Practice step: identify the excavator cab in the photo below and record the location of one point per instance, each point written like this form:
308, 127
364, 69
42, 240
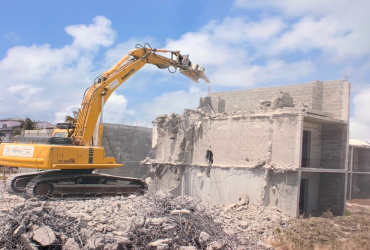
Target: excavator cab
64, 130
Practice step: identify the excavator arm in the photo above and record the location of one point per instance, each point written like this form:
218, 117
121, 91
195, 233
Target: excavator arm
98, 94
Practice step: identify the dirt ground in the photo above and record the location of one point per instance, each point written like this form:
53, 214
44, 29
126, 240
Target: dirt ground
328, 232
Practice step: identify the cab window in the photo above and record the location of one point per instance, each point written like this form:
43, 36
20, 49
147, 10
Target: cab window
60, 134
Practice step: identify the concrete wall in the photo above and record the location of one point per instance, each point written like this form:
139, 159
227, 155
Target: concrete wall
282, 191
361, 160
328, 96
129, 145
334, 146
313, 193
235, 141
227, 185
315, 150
331, 193
361, 186
286, 140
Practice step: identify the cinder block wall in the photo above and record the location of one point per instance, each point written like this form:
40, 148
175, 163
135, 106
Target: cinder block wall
333, 146
331, 193
361, 160
361, 186
315, 150
129, 145
242, 141
328, 96
282, 191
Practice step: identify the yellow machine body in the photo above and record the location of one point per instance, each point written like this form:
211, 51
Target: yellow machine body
40, 156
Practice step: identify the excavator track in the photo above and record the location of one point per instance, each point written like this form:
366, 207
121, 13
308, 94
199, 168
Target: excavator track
58, 184
16, 183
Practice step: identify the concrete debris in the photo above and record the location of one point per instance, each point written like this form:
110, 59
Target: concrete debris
26, 244
182, 212
71, 245
158, 221
44, 235
204, 236
19, 230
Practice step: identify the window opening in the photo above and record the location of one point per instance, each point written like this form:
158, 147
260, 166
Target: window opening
5, 125
209, 157
306, 148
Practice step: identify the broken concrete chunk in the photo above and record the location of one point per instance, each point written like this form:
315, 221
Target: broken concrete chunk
180, 212
44, 235
260, 163
71, 245
148, 180
160, 244
188, 248
216, 245
158, 221
26, 243
199, 175
244, 224
19, 230
243, 200
204, 236
265, 246
122, 240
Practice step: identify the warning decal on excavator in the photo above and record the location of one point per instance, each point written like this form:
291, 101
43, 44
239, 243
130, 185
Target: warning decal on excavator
18, 150
113, 84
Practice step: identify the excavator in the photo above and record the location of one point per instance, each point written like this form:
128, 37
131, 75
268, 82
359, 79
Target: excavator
66, 161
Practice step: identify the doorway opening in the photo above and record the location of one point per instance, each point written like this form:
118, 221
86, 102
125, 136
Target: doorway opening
303, 196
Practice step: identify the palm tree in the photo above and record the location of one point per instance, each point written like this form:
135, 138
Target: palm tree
28, 124
72, 119
2, 136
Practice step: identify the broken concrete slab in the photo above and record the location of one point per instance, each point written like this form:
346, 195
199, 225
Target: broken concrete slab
71, 245
204, 236
44, 235
26, 243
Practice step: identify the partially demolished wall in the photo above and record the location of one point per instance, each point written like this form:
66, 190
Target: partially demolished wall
222, 157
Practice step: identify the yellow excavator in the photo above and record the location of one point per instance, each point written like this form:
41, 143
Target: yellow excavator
67, 159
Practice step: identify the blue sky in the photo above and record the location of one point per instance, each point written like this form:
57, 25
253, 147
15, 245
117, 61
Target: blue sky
50, 52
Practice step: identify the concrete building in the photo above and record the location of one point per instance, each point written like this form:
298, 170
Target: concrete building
284, 146
358, 170
129, 145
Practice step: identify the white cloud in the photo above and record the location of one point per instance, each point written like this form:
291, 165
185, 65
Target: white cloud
61, 115
38, 78
222, 49
172, 102
250, 75
100, 33
115, 109
338, 28
360, 122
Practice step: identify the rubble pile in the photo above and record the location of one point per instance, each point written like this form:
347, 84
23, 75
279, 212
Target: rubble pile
152, 221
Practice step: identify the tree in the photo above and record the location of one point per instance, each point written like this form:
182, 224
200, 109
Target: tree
72, 119
2, 136
28, 124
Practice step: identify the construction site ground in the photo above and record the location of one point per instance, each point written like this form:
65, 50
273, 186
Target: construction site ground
162, 221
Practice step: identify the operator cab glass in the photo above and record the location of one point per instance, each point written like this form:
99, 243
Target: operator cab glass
60, 134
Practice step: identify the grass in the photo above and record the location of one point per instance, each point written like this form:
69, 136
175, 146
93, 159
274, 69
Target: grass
327, 232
